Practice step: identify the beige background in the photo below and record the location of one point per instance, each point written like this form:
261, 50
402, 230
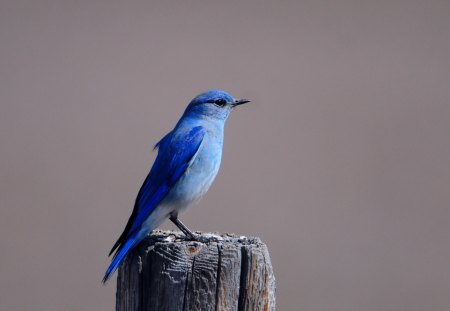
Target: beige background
341, 163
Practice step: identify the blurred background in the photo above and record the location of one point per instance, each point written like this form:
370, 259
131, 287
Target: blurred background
341, 163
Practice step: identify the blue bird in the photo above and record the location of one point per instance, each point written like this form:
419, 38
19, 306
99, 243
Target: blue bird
187, 162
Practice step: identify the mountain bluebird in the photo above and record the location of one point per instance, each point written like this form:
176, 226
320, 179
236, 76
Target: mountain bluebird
187, 162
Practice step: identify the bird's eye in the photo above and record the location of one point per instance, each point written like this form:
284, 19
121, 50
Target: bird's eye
220, 102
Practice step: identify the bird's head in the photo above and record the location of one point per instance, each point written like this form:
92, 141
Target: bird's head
215, 104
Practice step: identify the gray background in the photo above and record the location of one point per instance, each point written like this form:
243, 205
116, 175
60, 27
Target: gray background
341, 163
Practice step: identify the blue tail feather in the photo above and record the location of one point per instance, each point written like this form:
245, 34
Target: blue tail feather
120, 256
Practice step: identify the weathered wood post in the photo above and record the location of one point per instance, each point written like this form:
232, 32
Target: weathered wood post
219, 272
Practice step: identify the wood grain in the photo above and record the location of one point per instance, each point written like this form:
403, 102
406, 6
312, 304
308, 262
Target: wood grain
217, 273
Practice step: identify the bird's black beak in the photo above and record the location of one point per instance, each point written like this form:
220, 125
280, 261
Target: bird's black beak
238, 102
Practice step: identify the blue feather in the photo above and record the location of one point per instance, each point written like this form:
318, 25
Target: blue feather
174, 155
120, 256
187, 162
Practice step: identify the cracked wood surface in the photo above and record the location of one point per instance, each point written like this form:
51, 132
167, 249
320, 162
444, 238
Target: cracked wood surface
217, 272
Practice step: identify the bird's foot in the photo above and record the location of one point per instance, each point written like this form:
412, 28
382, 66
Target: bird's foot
188, 233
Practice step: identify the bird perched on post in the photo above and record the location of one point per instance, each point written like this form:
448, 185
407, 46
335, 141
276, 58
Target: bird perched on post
187, 162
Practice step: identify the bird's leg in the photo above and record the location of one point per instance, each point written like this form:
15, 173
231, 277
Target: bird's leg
183, 228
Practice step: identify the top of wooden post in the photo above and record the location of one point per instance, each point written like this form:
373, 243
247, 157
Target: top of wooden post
215, 272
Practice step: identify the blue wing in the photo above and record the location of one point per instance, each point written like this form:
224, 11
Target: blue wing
175, 152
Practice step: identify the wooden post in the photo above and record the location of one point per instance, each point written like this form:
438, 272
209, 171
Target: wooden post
219, 272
